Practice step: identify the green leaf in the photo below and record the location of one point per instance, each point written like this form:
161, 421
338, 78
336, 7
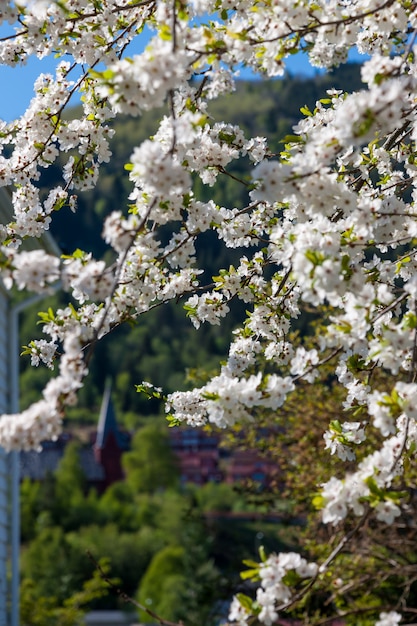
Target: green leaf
59, 204
410, 320
210, 396
396, 496
374, 489
262, 554
292, 139
306, 111
26, 349
315, 257
227, 137
45, 317
173, 421
165, 32
335, 426
318, 502
245, 601
106, 75
77, 254
250, 574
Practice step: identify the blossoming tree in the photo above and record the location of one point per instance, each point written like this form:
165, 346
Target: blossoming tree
330, 225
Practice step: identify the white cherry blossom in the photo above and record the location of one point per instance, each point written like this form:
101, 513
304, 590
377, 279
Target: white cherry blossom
329, 226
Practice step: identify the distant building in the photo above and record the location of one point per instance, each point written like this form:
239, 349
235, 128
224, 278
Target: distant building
198, 454
110, 443
37, 465
248, 465
201, 458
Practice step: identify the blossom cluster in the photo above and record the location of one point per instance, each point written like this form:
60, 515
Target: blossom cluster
277, 574
329, 225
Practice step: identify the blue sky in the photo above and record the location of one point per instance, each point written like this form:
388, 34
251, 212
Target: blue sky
17, 86
18, 82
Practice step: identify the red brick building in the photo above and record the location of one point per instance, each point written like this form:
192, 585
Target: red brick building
202, 459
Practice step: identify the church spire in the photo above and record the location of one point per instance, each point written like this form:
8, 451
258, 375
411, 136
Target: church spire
107, 420
110, 441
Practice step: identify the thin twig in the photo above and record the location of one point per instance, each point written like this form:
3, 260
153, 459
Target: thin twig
128, 599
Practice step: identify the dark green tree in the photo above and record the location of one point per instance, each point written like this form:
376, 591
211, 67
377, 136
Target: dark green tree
55, 566
162, 586
151, 463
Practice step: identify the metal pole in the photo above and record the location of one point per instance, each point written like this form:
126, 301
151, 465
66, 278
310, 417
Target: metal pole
15, 470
